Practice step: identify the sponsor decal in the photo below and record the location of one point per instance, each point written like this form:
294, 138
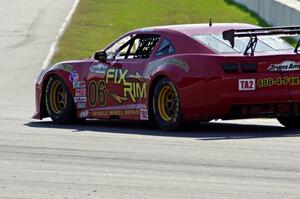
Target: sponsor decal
136, 76
132, 89
81, 92
79, 84
133, 86
84, 114
147, 30
81, 105
98, 68
74, 76
97, 93
247, 85
65, 67
285, 81
284, 66
80, 99
106, 113
144, 114
172, 61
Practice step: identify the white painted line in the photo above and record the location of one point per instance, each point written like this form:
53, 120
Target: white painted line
257, 121
59, 34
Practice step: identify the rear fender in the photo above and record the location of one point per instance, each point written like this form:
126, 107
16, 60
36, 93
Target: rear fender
190, 74
172, 68
63, 71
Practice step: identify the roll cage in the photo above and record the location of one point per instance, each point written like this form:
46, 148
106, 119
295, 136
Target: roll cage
144, 48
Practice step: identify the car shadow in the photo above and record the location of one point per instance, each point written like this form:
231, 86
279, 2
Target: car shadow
201, 131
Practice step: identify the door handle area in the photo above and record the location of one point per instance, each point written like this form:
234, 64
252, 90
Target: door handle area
117, 65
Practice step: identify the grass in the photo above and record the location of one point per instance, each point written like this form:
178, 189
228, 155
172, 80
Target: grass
97, 23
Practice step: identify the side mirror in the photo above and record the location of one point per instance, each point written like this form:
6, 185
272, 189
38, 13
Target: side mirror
100, 56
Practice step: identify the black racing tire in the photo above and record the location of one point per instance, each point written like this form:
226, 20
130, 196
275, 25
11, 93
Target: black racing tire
289, 121
166, 106
59, 101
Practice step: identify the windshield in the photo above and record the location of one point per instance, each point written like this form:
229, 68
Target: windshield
218, 44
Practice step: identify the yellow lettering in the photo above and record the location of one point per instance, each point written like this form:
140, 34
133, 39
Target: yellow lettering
128, 90
133, 89
294, 81
287, 80
116, 75
141, 92
110, 74
122, 76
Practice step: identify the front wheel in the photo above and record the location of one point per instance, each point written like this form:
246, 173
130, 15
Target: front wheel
289, 121
166, 105
59, 101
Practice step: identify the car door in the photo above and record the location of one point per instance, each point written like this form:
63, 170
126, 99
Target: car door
123, 86
98, 92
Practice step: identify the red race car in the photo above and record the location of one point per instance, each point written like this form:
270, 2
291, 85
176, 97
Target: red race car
172, 74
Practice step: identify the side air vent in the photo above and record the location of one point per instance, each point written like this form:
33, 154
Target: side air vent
249, 67
230, 67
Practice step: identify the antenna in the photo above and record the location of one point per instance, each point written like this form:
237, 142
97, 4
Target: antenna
210, 22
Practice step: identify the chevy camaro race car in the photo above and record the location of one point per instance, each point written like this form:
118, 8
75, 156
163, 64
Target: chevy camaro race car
173, 74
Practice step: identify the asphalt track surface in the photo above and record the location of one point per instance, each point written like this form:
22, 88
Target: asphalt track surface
242, 159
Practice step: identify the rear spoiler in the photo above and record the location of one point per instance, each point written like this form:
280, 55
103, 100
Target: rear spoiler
230, 35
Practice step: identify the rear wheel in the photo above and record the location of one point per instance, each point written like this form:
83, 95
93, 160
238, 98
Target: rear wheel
166, 105
59, 101
290, 121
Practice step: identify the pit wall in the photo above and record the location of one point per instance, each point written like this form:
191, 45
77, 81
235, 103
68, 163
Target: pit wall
275, 12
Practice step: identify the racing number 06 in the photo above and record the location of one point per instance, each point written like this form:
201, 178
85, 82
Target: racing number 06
96, 92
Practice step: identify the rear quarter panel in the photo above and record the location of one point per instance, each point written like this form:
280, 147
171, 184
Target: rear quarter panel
62, 70
190, 74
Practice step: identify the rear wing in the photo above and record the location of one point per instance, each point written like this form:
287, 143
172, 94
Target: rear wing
230, 35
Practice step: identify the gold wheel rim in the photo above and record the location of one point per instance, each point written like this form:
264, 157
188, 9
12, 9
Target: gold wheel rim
167, 103
58, 97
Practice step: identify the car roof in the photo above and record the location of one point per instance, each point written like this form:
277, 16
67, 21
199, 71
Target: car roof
191, 29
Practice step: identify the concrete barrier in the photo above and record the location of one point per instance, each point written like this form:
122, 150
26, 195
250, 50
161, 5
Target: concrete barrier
275, 12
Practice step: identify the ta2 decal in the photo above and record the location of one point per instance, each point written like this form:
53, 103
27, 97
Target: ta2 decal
247, 85
144, 114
